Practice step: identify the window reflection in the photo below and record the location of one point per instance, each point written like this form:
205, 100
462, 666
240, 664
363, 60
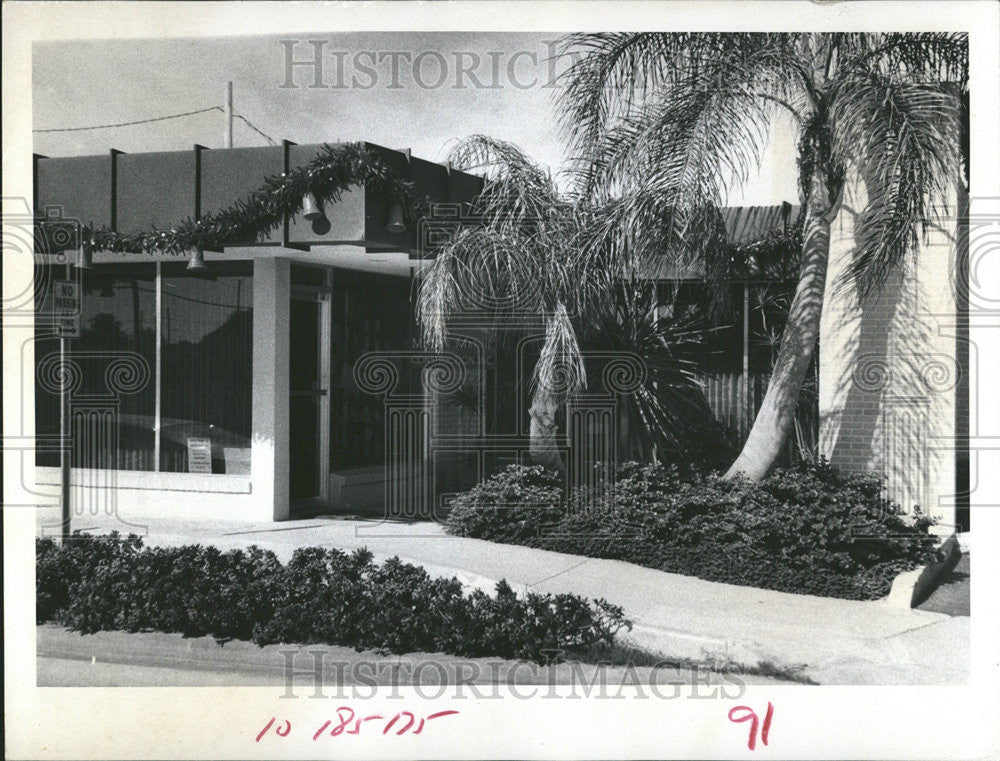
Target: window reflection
206, 329
369, 313
207, 362
118, 314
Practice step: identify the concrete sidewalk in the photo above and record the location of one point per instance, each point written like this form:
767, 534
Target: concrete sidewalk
832, 641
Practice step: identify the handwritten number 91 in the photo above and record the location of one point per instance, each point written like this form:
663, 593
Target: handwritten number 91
740, 714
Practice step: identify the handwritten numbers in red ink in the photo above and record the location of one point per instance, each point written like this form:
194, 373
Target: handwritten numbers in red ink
281, 730
348, 723
439, 714
411, 720
740, 714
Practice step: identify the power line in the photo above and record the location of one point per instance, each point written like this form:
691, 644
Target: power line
254, 128
228, 110
242, 118
139, 121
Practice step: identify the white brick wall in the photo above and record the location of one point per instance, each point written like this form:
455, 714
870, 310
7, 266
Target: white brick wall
888, 370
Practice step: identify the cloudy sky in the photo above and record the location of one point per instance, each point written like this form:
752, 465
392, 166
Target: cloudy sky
417, 90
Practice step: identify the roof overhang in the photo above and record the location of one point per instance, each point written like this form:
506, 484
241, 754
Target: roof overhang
135, 192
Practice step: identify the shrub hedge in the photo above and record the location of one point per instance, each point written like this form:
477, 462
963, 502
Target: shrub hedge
96, 583
511, 506
808, 529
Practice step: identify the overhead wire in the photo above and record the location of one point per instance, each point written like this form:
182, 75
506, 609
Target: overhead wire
129, 124
242, 118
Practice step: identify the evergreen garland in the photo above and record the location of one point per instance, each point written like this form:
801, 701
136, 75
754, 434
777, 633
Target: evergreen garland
334, 170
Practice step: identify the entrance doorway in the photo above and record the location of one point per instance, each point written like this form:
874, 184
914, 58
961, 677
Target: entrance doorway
309, 392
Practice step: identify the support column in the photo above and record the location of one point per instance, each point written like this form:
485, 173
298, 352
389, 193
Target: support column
269, 458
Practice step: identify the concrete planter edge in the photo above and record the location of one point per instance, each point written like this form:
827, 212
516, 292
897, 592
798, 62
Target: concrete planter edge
913, 587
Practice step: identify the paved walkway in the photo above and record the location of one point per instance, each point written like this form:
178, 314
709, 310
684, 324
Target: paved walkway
832, 641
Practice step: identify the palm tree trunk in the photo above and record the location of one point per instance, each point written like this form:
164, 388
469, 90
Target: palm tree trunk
774, 420
543, 433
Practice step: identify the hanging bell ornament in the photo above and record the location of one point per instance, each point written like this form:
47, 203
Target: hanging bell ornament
396, 223
310, 207
197, 260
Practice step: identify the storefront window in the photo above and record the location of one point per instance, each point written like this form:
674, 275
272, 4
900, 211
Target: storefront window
118, 319
46, 347
206, 366
204, 369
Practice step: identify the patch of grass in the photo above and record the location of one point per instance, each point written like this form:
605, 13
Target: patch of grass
627, 655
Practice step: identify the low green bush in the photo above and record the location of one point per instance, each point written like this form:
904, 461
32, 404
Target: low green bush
809, 529
321, 595
513, 506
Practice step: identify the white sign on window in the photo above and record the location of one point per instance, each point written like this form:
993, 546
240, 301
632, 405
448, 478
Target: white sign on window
199, 455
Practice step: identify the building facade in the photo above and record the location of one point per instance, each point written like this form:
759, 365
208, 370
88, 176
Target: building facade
227, 391
284, 377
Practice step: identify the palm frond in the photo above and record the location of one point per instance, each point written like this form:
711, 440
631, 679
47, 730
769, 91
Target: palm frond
664, 127
627, 88
903, 139
484, 272
923, 56
517, 190
560, 369
668, 402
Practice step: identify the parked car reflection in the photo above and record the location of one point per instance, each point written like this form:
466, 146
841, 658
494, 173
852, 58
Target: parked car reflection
230, 450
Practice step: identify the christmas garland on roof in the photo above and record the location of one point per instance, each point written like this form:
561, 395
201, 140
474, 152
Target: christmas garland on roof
334, 170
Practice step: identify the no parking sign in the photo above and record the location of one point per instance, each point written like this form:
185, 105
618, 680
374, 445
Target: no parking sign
66, 306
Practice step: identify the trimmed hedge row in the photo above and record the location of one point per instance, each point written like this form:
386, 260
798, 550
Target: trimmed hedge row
808, 529
96, 583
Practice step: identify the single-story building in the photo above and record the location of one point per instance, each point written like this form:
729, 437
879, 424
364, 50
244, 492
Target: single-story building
222, 382
274, 375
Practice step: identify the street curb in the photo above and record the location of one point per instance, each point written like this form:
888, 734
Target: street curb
158, 649
694, 647
320, 670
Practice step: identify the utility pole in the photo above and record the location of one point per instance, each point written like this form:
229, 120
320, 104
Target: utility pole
229, 115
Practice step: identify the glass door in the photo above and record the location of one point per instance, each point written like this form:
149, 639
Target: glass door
309, 403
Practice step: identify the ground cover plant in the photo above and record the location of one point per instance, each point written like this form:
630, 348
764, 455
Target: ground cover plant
322, 595
808, 529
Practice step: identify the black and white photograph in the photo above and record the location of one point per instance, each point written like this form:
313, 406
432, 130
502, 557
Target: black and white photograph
504, 380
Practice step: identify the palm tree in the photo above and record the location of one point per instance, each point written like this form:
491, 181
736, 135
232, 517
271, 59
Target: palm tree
519, 257
508, 258
664, 126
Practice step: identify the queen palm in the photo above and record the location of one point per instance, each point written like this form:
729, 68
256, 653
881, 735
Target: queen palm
522, 256
664, 126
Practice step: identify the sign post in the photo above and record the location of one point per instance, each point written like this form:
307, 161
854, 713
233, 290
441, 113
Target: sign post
66, 310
